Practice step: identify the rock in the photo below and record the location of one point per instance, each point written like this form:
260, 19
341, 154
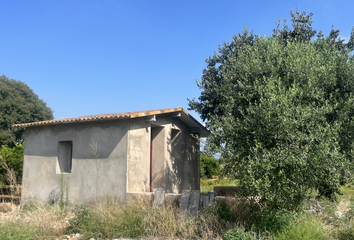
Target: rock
194, 202
183, 204
339, 214
212, 197
159, 195
205, 201
311, 211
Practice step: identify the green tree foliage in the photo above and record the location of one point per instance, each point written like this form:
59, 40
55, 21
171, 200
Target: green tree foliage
18, 104
14, 159
280, 110
209, 166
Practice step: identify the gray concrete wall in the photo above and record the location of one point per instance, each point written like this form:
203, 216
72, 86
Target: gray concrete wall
110, 159
183, 166
99, 162
191, 178
138, 175
181, 156
175, 164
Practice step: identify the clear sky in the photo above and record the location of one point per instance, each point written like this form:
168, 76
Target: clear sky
86, 57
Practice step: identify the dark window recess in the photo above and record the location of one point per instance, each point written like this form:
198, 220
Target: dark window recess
65, 150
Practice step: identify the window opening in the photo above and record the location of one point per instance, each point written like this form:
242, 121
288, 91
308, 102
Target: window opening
65, 150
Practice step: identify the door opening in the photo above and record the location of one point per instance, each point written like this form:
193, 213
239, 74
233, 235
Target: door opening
151, 161
157, 158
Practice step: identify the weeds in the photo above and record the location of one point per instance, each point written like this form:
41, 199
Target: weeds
12, 231
82, 217
33, 221
64, 192
11, 178
306, 227
239, 234
272, 222
141, 219
229, 219
5, 207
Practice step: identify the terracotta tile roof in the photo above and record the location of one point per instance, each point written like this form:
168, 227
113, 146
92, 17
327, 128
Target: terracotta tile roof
112, 116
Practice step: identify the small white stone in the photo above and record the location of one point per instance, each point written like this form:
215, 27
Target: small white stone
339, 214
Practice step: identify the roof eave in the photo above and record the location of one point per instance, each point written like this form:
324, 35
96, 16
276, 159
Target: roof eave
188, 119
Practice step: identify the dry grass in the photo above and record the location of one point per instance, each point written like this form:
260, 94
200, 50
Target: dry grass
137, 219
140, 219
343, 207
6, 207
49, 222
11, 178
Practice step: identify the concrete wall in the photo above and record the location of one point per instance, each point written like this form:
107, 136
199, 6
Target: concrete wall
183, 165
181, 156
138, 175
175, 162
110, 159
99, 157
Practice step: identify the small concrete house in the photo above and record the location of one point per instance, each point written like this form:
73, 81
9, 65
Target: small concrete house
111, 155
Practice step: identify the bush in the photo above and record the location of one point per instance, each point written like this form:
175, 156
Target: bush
306, 227
82, 218
209, 166
239, 234
280, 112
111, 221
14, 231
139, 219
270, 222
14, 159
225, 212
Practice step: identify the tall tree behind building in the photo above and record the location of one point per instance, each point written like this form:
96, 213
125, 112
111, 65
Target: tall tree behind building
18, 104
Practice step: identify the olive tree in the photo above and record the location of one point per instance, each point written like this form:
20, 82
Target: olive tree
280, 110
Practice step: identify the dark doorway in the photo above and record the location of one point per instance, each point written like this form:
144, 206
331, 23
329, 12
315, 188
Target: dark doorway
157, 157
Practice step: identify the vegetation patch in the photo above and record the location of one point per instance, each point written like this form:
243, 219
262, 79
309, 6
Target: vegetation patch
14, 231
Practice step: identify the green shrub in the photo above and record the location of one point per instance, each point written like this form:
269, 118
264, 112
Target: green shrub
14, 159
239, 234
112, 221
64, 193
345, 233
270, 222
14, 231
209, 166
344, 226
81, 219
225, 212
306, 227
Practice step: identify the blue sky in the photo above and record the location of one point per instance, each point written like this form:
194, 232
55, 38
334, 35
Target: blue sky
106, 56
